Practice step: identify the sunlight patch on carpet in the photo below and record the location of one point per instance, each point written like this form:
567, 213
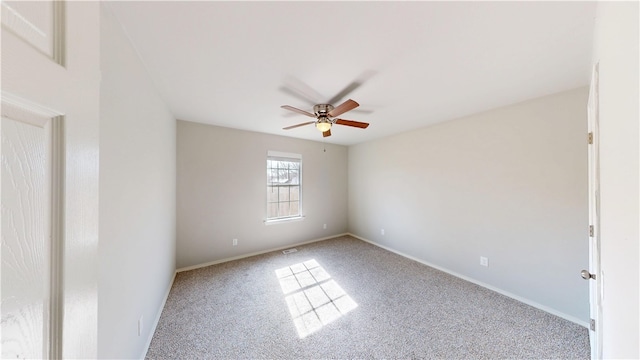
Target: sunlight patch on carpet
313, 298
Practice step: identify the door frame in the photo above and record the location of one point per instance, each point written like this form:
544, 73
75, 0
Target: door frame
595, 285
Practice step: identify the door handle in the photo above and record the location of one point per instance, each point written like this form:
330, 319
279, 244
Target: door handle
587, 275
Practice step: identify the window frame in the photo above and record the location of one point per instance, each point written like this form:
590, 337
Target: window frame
290, 157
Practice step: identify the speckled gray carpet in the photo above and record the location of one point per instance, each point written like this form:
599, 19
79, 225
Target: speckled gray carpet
346, 299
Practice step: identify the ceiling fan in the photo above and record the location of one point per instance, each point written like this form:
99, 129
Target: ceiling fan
326, 114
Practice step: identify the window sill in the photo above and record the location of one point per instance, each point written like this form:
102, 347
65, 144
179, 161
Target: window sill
285, 220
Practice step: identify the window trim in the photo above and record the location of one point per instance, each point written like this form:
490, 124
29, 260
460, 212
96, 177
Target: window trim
286, 156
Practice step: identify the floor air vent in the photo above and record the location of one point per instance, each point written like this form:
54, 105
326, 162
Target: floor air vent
289, 251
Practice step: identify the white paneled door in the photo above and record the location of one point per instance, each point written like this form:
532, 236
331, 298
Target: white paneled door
26, 245
31, 181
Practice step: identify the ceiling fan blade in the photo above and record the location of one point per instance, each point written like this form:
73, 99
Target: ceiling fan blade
358, 124
295, 94
298, 125
326, 133
298, 110
342, 94
363, 111
343, 108
351, 87
295, 85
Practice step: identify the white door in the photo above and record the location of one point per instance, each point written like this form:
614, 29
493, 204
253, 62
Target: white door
51, 70
31, 181
26, 233
594, 275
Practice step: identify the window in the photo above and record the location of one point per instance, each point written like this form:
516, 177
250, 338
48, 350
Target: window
284, 185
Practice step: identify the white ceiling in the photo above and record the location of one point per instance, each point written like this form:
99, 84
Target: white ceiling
233, 64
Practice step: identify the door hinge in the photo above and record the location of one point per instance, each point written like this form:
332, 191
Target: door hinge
591, 230
590, 138
592, 325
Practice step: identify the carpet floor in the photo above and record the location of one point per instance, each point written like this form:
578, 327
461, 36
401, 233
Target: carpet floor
346, 299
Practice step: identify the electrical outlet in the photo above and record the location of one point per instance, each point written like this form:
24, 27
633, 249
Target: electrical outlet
235, 242
381, 231
140, 324
324, 226
484, 261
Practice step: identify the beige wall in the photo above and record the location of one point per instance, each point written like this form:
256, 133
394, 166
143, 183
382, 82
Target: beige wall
222, 193
137, 198
616, 50
509, 184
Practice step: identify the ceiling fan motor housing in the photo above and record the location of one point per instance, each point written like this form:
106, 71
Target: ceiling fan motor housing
322, 110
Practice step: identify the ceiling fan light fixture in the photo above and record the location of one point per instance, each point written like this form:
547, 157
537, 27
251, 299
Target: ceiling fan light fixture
323, 124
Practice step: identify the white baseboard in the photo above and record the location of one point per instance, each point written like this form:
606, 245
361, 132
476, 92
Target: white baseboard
157, 319
490, 287
193, 267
